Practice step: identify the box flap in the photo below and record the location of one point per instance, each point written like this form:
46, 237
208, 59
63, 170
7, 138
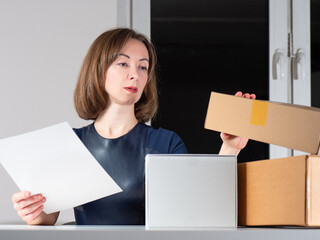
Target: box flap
287, 125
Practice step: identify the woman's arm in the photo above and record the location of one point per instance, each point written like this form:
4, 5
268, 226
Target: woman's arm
232, 145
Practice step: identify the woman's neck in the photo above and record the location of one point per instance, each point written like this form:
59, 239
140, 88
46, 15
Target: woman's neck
115, 121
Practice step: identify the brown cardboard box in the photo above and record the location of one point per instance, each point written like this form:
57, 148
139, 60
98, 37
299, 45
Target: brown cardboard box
273, 192
282, 191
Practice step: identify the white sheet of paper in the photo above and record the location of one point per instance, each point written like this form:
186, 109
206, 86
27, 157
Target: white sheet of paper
53, 161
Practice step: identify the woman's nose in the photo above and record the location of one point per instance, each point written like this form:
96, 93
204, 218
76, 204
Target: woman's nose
133, 75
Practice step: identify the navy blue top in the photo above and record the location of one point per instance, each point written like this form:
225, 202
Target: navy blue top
123, 159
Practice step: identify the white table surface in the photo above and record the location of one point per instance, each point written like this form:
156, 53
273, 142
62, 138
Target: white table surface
140, 233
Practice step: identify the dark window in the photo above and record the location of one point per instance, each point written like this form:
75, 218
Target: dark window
204, 46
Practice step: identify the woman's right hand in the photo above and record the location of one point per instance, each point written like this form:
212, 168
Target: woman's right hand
29, 207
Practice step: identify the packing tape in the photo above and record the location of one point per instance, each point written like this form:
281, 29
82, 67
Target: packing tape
259, 113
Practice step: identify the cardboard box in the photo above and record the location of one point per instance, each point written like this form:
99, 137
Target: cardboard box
282, 191
273, 192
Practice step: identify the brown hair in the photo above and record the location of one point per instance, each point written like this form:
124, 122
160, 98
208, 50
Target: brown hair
90, 97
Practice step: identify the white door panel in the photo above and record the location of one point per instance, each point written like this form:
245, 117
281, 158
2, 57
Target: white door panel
279, 63
301, 49
289, 81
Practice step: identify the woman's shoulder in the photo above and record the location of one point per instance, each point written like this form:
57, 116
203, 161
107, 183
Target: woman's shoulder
80, 131
161, 133
164, 141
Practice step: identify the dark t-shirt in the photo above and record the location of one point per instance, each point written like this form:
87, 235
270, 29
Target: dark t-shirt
123, 159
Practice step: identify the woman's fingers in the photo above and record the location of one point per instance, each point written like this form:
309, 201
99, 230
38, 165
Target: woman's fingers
20, 196
31, 208
238, 94
246, 95
28, 207
24, 202
33, 215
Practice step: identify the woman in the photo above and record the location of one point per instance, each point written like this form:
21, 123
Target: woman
117, 89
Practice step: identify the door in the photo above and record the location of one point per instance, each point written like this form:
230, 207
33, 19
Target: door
289, 58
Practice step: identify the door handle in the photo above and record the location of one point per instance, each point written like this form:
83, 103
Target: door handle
299, 65
278, 65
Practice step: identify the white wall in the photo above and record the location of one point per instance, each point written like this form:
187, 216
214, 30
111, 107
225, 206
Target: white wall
42, 46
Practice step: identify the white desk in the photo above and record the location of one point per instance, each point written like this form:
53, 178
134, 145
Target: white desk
24, 232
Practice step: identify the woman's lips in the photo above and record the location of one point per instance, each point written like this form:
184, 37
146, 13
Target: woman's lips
131, 89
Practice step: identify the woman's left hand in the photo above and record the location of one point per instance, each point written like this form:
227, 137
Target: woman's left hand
232, 145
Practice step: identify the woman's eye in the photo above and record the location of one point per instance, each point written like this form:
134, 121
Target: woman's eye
123, 64
143, 68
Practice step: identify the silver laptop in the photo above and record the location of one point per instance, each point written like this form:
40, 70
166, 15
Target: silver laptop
191, 191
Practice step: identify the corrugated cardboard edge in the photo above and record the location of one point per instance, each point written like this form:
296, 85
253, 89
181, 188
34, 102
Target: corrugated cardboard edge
313, 191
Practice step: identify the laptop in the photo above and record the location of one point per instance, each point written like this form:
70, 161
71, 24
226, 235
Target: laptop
191, 191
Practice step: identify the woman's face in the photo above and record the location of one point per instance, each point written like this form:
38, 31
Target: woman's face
128, 74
